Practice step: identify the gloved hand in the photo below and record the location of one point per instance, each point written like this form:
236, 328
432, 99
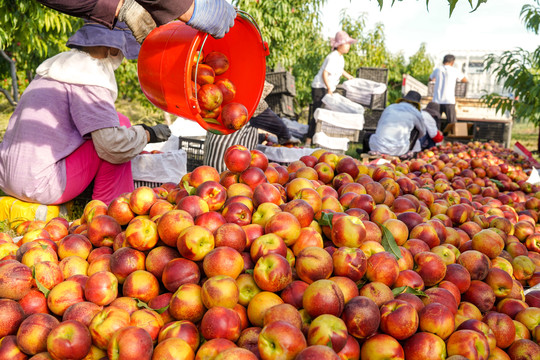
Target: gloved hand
158, 133
214, 17
137, 19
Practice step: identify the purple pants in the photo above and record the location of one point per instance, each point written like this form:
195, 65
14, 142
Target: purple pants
84, 165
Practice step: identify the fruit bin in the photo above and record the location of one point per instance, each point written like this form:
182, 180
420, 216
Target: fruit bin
460, 92
336, 131
159, 163
283, 81
371, 118
195, 151
281, 104
380, 75
152, 184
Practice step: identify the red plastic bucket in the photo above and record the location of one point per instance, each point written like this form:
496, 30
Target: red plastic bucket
167, 56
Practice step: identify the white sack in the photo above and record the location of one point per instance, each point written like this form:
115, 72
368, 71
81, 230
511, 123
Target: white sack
284, 154
361, 90
330, 142
168, 166
337, 102
340, 119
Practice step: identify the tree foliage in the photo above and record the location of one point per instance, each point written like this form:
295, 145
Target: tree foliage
519, 71
292, 30
29, 33
421, 64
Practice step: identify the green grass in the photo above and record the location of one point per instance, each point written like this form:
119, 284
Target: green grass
526, 134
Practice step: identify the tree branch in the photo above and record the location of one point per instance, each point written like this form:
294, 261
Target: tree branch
13, 72
8, 96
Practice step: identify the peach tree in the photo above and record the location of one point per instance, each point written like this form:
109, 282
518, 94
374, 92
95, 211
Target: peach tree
519, 71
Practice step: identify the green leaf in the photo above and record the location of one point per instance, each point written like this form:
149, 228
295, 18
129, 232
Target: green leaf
498, 183
249, 271
361, 283
408, 290
162, 310
142, 304
326, 219
329, 344
389, 243
39, 285
211, 121
452, 4
190, 189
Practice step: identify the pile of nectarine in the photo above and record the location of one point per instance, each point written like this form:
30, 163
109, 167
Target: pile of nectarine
215, 95
325, 258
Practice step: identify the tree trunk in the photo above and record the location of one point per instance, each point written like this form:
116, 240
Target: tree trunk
13, 98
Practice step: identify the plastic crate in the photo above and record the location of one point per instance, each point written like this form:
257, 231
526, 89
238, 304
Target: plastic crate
460, 92
364, 138
380, 75
284, 82
151, 184
281, 104
195, 152
371, 118
335, 131
486, 131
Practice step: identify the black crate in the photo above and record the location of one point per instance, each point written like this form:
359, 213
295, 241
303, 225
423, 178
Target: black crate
460, 92
151, 184
195, 152
364, 139
380, 75
371, 119
486, 131
283, 83
281, 104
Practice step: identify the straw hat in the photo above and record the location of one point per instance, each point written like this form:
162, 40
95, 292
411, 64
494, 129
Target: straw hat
412, 97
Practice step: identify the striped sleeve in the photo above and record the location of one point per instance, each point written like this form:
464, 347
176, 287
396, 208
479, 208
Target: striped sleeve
216, 145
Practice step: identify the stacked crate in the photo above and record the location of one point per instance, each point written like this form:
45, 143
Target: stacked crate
378, 102
380, 75
194, 149
281, 99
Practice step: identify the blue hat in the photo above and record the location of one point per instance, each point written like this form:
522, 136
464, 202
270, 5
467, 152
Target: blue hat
94, 34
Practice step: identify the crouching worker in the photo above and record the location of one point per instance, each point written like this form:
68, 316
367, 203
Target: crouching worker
65, 131
431, 115
400, 126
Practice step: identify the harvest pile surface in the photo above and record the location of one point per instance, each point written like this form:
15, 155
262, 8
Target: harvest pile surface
325, 258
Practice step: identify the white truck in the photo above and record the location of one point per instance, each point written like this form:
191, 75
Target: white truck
488, 124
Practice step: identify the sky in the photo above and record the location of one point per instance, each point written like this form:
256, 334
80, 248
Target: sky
495, 26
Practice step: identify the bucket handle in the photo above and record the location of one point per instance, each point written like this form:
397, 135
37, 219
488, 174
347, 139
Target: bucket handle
245, 15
